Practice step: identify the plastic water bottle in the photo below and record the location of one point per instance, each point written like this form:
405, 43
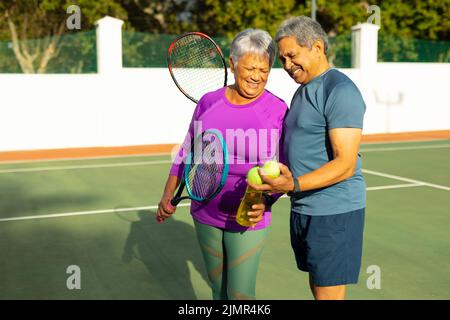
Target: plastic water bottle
250, 198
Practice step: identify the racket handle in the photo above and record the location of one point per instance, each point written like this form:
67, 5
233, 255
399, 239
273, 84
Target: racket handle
174, 202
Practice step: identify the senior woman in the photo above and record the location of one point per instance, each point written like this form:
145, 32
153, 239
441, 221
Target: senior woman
251, 120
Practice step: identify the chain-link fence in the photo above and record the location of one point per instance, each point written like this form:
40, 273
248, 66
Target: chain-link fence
396, 49
149, 50
69, 53
76, 52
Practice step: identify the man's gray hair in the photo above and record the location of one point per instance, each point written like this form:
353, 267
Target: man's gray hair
252, 41
305, 30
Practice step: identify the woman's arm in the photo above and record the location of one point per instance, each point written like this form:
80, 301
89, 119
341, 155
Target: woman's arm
165, 209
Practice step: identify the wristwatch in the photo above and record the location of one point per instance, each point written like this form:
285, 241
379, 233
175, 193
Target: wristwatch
296, 187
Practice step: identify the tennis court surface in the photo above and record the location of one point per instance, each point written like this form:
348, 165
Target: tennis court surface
98, 214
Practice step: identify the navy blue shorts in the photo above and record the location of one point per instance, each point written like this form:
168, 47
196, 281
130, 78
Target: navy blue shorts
329, 247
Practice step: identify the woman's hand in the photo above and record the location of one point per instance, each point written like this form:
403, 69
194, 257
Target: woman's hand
165, 209
257, 214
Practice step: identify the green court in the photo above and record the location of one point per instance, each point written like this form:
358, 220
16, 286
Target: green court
98, 214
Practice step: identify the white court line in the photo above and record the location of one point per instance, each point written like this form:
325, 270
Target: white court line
82, 213
404, 142
437, 146
395, 186
87, 166
381, 174
91, 212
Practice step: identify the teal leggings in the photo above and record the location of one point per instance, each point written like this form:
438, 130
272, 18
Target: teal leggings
232, 260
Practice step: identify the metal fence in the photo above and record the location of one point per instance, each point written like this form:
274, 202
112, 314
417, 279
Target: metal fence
76, 52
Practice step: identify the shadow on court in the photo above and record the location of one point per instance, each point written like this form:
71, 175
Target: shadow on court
165, 250
19, 199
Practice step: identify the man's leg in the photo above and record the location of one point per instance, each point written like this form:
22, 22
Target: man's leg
329, 293
333, 255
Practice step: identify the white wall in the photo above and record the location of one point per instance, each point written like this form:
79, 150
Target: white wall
143, 106
120, 106
409, 97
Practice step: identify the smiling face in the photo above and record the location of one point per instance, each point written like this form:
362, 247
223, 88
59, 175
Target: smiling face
250, 74
301, 63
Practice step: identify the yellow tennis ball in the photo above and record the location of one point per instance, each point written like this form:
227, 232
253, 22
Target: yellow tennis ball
271, 169
253, 176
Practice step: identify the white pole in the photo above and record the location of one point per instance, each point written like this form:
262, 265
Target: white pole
313, 9
364, 45
109, 45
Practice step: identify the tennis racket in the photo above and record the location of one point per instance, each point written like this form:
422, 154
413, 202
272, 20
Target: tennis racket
205, 168
196, 64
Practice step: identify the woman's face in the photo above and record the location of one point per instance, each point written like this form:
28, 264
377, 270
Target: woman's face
250, 74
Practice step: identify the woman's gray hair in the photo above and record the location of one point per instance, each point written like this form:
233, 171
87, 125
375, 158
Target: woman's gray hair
305, 30
252, 41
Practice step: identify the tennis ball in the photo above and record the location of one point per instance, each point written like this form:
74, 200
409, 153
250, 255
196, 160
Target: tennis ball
271, 169
253, 176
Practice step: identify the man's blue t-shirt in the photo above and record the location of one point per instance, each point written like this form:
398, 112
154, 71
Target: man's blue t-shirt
329, 101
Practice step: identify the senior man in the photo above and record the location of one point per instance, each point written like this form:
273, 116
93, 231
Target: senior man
322, 132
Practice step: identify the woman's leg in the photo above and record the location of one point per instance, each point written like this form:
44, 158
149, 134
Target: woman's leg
211, 243
243, 251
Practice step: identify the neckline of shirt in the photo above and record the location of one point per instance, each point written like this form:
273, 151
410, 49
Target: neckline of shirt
247, 105
320, 76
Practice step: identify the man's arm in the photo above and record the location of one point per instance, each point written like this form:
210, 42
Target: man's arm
345, 144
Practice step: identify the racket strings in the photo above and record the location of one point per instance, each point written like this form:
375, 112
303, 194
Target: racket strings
197, 65
205, 174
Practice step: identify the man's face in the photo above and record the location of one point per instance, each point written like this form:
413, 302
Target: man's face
301, 63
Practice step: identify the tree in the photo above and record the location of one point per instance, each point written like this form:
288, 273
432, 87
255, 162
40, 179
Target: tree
419, 19
159, 16
229, 17
45, 22
401, 22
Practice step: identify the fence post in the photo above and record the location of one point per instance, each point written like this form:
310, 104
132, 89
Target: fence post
109, 45
364, 45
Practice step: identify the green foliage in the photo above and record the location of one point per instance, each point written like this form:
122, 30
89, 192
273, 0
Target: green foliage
33, 32
420, 19
39, 22
159, 16
338, 16
39, 18
142, 50
407, 28
229, 17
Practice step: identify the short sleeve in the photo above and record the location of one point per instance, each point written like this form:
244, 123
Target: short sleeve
345, 107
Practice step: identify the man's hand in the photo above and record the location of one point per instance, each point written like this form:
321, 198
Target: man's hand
165, 209
284, 183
